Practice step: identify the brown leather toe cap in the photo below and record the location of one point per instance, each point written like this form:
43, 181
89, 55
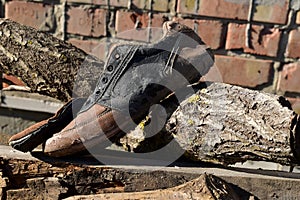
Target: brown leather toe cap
88, 129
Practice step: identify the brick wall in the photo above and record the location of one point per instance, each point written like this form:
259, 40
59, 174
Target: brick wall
256, 42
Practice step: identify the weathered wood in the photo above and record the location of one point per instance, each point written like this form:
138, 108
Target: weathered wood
39, 188
204, 187
228, 124
46, 64
24, 175
33, 179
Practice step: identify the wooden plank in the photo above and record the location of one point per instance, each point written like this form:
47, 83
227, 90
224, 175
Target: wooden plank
20, 167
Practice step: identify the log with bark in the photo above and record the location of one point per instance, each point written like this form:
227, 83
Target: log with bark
46, 64
222, 123
226, 124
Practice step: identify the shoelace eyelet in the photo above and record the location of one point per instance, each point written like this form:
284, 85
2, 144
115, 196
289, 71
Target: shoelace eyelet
110, 68
104, 80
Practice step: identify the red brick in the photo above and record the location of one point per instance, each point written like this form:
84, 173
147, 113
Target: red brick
133, 26
99, 23
28, 13
211, 33
240, 71
11, 80
142, 4
289, 78
95, 48
232, 9
236, 36
157, 20
187, 6
87, 22
264, 41
293, 47
118, 3
272, 11
79, 21
160, 5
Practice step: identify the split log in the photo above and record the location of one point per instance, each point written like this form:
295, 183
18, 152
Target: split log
46, 64
227, 124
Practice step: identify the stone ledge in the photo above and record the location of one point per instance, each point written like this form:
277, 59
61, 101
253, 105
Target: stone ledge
29, 102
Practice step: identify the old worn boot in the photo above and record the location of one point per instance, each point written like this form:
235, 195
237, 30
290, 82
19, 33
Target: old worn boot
135, 78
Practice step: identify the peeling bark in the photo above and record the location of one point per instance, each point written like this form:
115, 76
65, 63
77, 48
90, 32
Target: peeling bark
228, 124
